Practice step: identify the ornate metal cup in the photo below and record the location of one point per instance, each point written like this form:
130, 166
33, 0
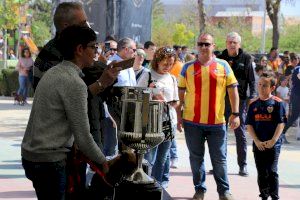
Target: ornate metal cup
141, 126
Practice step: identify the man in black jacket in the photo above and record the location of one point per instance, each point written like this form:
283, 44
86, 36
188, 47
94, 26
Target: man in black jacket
241, 64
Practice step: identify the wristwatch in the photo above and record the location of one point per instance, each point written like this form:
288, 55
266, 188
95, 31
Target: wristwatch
235, 113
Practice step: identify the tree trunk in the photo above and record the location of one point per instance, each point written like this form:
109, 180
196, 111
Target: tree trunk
202, 16
273, 8
275, 38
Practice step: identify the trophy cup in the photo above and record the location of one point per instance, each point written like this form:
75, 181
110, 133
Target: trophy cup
141, 126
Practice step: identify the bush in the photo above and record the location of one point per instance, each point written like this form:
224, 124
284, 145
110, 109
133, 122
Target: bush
9, 81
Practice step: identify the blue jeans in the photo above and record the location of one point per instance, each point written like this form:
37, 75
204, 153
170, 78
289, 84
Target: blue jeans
173, 149
110, 140
157, 157
239, 132
216, 137
23, 86
166, 172
48, 178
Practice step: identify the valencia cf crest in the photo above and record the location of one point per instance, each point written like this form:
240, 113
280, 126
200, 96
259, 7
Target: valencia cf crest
270, 109
137, 3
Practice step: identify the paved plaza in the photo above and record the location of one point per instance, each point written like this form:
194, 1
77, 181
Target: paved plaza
14, 185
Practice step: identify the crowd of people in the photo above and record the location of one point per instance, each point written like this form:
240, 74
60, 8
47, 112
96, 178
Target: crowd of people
206, 92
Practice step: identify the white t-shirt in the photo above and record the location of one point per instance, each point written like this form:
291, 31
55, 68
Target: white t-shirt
283, 92
167, 84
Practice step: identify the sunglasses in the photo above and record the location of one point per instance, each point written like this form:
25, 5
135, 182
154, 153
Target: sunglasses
201, 44
168, 50
113, 49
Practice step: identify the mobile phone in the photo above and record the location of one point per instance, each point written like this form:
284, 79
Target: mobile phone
107, 46
124, 64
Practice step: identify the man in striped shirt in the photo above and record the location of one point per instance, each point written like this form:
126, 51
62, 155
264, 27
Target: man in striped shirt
202, 88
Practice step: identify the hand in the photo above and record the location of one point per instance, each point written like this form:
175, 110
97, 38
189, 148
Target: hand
260, 145
179, 123
234, 121
158, 97
269, 143
109, 76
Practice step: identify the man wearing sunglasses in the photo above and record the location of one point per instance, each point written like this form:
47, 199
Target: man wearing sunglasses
202, 87
67, 14
241, 64
59, 117
126, 49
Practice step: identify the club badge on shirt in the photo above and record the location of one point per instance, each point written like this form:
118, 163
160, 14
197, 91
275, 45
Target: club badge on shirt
270, 109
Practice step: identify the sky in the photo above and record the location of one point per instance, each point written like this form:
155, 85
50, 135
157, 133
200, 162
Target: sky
287, 9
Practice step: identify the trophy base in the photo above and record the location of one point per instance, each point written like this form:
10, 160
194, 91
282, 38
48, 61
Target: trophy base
140, 177
132, 191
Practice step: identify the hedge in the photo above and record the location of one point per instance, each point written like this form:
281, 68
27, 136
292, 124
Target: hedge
9, 82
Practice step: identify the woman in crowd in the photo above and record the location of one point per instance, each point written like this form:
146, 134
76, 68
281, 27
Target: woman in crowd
139, 70
263, 61
160, 78
24, 65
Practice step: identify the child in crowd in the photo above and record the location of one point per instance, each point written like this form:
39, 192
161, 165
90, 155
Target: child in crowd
265, 119
282, 92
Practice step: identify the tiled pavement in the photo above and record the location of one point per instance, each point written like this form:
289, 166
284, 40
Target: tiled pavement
14, 185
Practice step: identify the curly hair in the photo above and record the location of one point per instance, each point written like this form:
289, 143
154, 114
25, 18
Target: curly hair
161, 54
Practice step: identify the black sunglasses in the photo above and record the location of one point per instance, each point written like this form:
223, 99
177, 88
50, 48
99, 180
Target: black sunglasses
201, 44
168, 50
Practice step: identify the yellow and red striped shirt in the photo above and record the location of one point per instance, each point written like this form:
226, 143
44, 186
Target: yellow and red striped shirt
205, 87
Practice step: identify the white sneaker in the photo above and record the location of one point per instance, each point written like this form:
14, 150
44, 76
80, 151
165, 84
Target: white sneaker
174, 163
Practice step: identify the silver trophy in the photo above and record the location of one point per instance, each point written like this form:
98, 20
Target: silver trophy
141, 126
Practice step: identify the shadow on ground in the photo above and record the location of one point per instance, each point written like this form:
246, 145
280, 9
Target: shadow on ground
17, 194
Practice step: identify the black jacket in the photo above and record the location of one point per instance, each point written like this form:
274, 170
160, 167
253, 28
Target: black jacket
243, 71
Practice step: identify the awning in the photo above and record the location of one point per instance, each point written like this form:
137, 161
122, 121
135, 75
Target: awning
29, 42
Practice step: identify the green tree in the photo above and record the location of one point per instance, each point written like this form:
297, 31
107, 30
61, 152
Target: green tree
161, 32
10, 16
182, 36
41, 21
40, 33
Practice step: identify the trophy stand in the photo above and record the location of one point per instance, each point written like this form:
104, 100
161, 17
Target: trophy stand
141, 130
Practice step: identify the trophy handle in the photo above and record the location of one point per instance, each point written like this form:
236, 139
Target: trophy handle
145, 114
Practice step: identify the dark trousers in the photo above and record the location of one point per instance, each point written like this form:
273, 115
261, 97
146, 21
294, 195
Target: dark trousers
96, 114
240, 133
49, 179
267, 176
295, 112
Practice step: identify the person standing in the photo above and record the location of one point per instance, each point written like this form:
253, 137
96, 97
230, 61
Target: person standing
265, 122
59, 117
294, 99
68, 14
126, 49
166, 83
24, 65
202, 87
241, 64
149, 48
274, 59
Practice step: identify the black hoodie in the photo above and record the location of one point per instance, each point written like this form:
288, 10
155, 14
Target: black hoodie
243, 71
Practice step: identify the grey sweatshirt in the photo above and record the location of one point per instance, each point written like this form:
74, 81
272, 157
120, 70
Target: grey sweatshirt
58, 116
